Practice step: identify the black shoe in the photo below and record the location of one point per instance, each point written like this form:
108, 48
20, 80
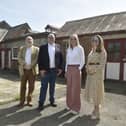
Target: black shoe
40, 107
53, 104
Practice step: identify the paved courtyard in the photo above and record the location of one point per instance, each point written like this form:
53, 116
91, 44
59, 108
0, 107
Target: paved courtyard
113, 113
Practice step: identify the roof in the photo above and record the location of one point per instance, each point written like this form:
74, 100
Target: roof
51, 27
17, 31
4, 25
98, 24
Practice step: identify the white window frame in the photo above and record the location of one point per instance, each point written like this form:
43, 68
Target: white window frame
13, 57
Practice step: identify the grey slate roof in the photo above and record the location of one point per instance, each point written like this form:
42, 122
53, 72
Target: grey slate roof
97, 24
17, 31
4, 25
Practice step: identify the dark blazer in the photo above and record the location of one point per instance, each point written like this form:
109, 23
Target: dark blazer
43, 58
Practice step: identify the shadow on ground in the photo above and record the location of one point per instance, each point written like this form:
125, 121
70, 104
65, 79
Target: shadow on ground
54, 120
116, 87
9, 75
12, 116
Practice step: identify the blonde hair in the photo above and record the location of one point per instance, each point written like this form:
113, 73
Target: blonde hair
100, 46
77, 40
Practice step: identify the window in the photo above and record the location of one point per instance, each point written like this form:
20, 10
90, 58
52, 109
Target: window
14, 53
114, 51
125, 51
65, 43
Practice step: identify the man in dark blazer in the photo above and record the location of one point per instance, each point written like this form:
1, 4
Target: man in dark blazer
50, 61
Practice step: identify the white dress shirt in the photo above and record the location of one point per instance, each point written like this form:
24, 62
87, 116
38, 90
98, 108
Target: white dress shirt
75, 56
51, 51
28, 56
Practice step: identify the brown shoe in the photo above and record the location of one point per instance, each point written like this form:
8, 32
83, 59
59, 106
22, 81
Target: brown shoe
29, 104
20, 105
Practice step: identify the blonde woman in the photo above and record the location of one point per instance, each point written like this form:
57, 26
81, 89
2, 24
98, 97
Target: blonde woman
75, 60
95, 75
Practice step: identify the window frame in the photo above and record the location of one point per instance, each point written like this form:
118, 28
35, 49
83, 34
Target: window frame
13, 56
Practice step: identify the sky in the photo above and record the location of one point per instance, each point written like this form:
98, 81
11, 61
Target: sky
39, 13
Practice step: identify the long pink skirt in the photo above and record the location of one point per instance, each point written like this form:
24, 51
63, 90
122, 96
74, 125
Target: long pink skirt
73, 88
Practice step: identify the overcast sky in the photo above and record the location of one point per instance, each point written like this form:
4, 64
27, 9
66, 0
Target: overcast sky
39, 13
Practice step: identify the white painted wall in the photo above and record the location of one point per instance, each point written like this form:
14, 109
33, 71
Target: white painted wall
2, 59
113, 71
124, 77
9, 59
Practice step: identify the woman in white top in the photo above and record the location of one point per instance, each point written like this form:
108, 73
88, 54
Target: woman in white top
75, 60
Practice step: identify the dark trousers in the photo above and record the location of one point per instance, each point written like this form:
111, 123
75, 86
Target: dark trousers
28, 76
49, 78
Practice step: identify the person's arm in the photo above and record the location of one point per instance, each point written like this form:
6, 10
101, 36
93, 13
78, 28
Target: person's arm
88, 67
66, 65
66, 61
61, 63
20, 57
40, 60
102, 61
36, 57
82, 57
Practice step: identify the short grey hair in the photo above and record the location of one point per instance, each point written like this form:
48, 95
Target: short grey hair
28, 37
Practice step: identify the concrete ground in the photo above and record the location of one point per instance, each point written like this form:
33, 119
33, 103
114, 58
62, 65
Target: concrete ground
112, 114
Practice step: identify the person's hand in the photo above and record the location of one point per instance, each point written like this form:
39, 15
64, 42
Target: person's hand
91, 71
42, 73
59, 72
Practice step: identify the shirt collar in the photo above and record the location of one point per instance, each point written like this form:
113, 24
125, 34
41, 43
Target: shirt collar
29, 47
51, 44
